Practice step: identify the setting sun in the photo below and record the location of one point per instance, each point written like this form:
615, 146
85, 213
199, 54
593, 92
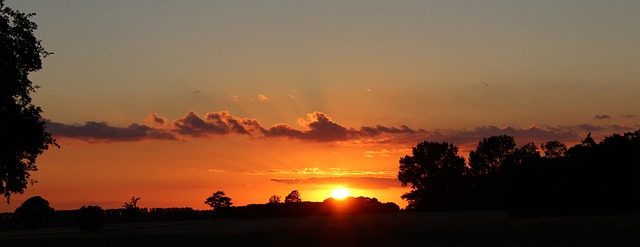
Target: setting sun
340, 193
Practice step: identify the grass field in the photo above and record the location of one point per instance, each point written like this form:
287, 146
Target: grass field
395, 229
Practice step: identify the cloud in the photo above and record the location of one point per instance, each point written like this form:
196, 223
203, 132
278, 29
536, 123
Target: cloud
318, 127
216, 170
386, 152
349, 182
102, 132
468, 139
262, 97
379, 129
215, 123
601, 117
628, 115
156, 120
315, 171
578, 128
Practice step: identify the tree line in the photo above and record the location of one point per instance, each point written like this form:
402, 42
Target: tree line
527, 181
36, 212
293, 206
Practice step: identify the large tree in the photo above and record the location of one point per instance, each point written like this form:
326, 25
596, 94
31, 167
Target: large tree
22, 130
435, 172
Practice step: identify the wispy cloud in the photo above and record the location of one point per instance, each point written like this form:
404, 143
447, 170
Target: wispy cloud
349, 182
622, 128
315, 171
216, 170
262, 98
386, 152
470, 138
601, 117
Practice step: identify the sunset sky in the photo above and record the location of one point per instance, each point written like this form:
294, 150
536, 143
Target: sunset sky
171, 101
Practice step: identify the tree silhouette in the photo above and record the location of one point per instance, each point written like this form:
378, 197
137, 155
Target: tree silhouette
132, 209
294, 196
218, 200
22, 130
589, 141
90, 218
527, 153
435, 172
553, 149
274, 199
490, 154
588, 178
36, 211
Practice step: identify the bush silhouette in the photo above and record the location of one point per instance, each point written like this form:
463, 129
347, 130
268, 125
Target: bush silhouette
132, 209
294, 196
36, 211
274, 199
90, 218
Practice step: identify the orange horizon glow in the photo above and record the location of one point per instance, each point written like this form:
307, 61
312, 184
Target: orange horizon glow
340, 193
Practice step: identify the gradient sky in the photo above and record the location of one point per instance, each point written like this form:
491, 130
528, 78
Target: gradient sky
171, 101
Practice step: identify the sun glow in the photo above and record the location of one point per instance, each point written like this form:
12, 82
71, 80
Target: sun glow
340, 193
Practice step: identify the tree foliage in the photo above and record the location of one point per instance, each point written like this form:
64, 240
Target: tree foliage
294, 196
434, 170
526, 153
588, 178
22, 130
91, 218
491, 153
36, 211
274, 199
553, 149
218, 200
132, 209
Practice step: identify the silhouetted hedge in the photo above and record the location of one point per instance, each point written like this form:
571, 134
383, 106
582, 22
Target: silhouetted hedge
90, 218
350, 205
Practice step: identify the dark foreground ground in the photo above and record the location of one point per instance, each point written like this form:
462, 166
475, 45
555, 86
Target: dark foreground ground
394, 229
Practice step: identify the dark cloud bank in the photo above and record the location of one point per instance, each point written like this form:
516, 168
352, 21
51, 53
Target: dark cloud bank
318, 127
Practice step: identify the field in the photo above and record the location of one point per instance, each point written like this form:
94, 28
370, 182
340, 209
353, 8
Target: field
393, 229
